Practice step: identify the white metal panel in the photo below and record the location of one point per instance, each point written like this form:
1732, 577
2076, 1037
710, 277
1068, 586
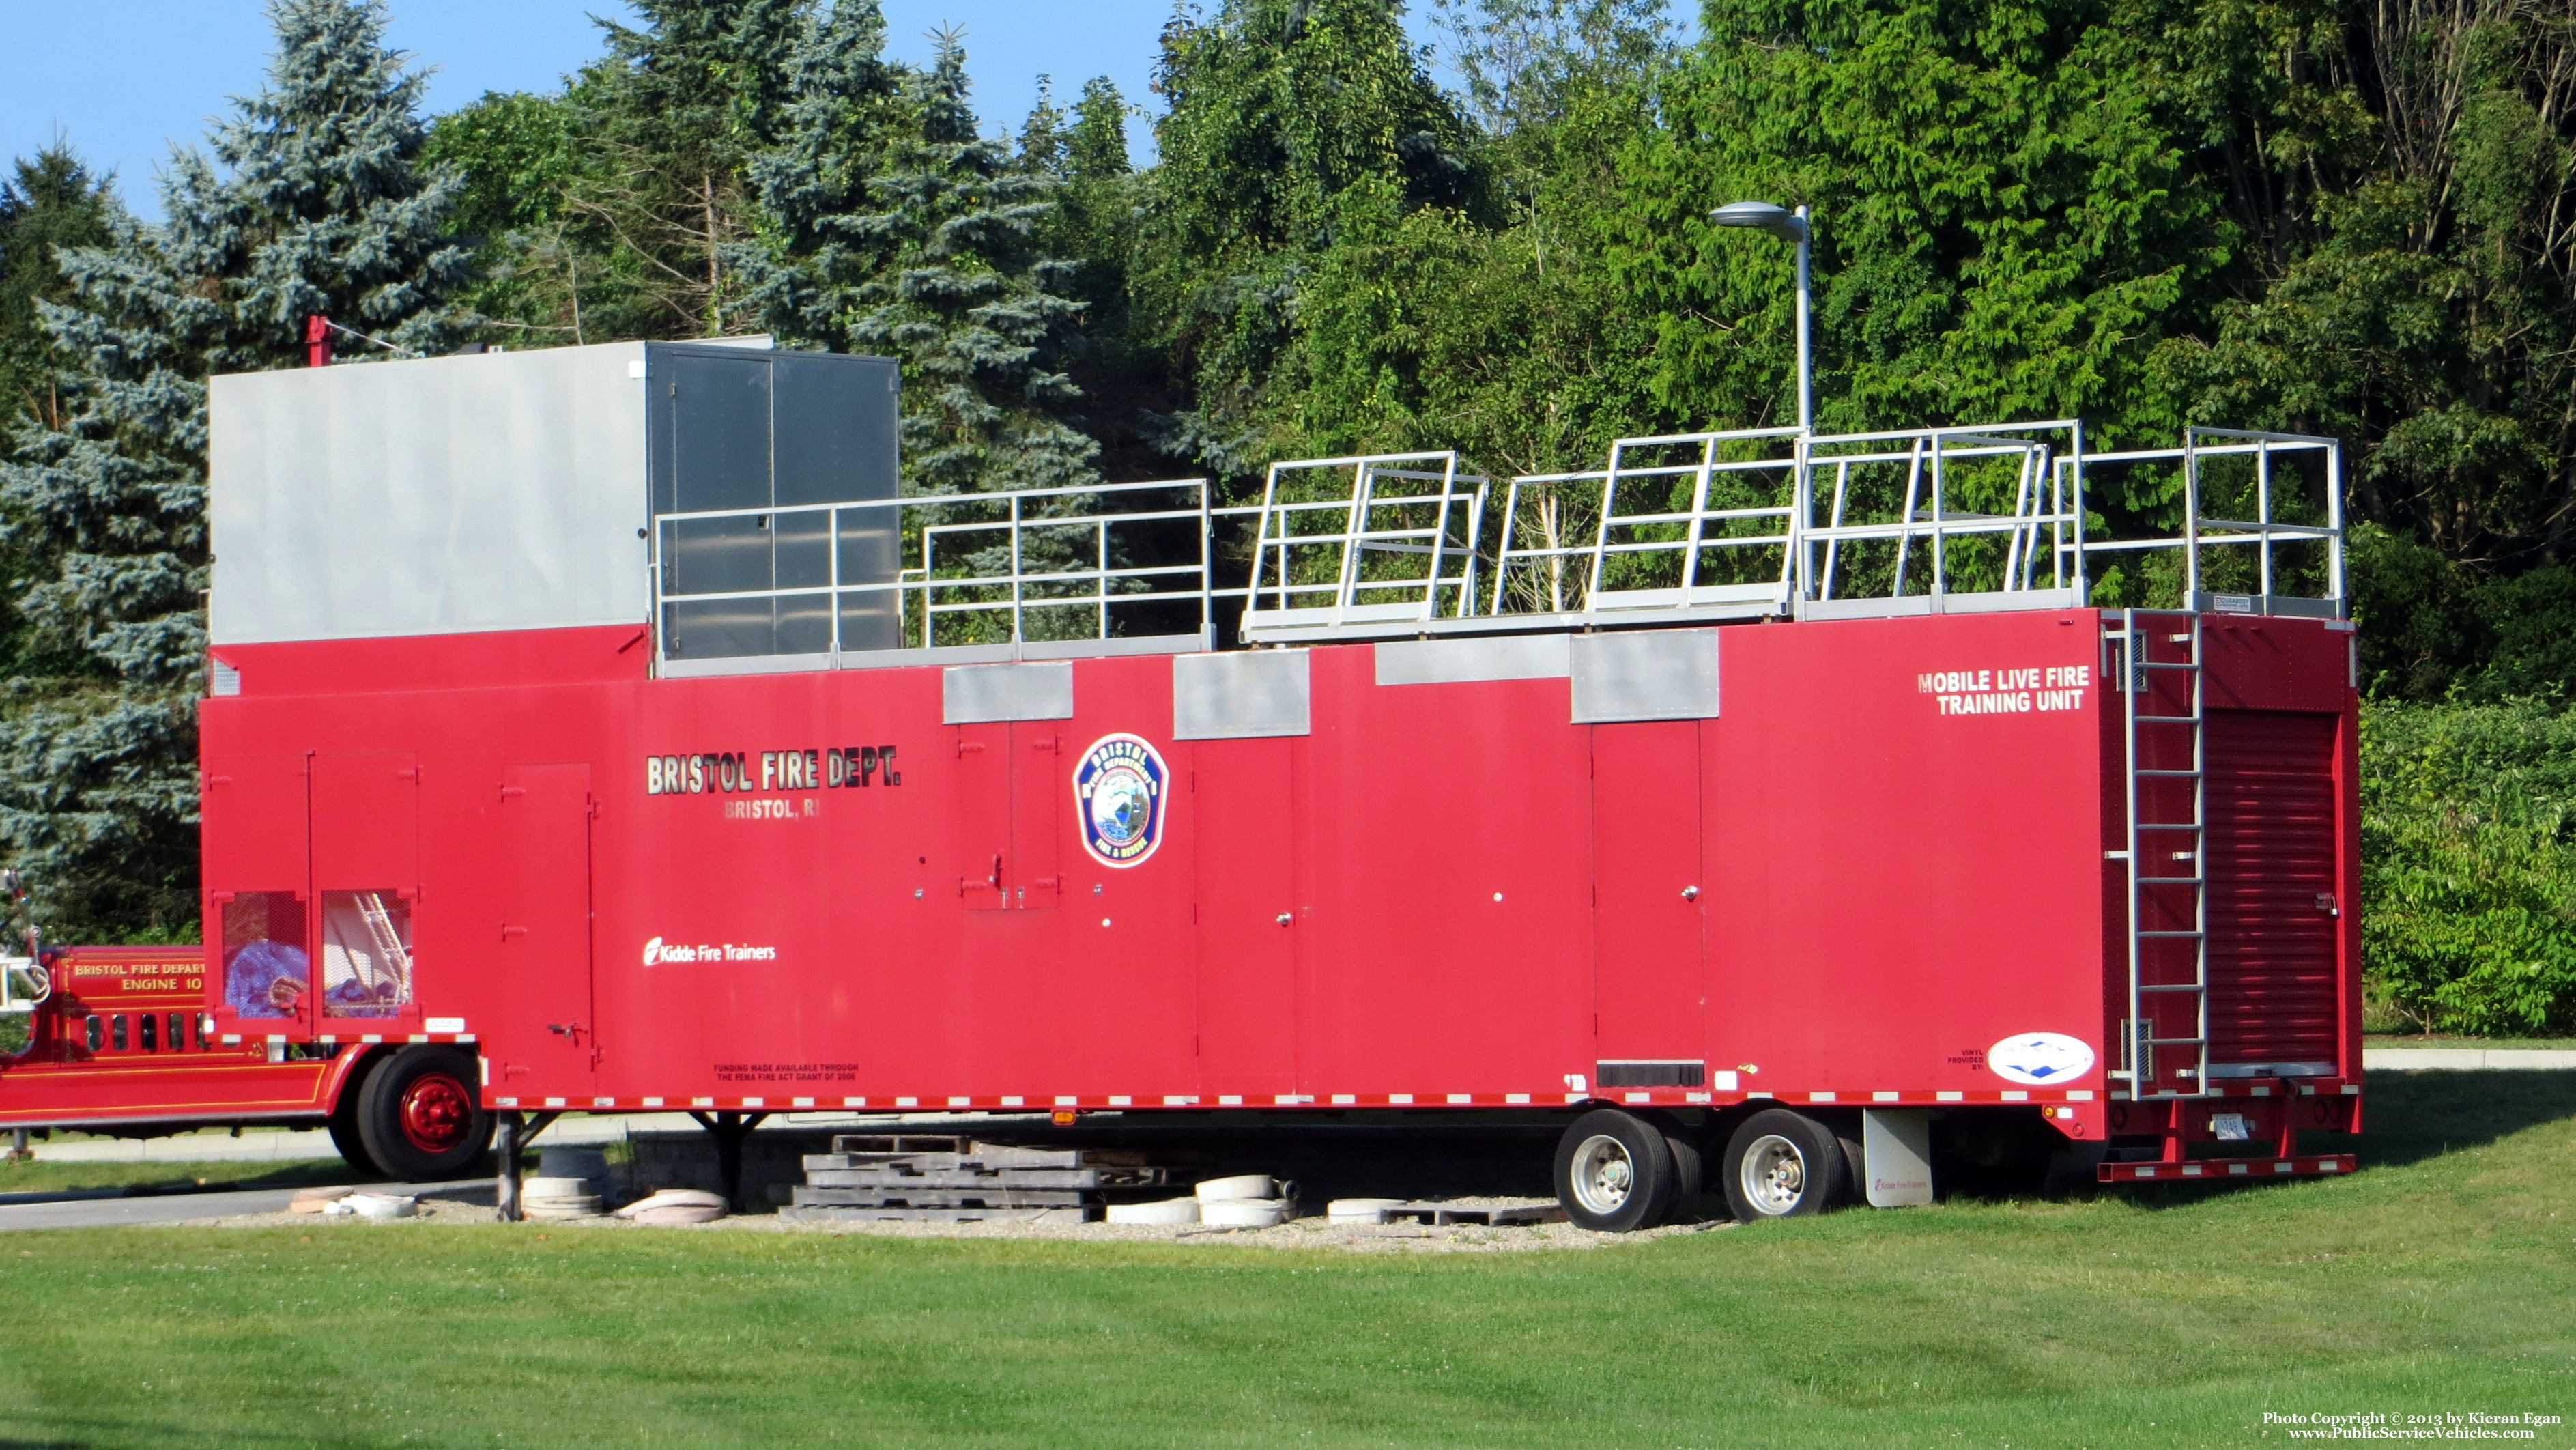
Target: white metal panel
975, 694
429, 496
1457, 661
1896, 1152
1651, 674
1241, 695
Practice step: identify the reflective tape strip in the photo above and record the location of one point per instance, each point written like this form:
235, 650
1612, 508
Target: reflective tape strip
1067, 1102
2079, 1095
554, 1102
603, 1102
1181, 1101
1690, 1097
755, 1102
1399, 1099
1121, 1100
1341, 1098
800, 1102
1628, 1097
1516, 1097
702, 1102
916, 1102
1820, 1097
2016, 1096
1228, 1100
1884, 1097
652, 1102
1950, 1097
854, 1102
1471, 1097
961, 1102
505, 1102
1015, 1102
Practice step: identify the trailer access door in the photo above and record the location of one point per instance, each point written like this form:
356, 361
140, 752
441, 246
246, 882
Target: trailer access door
256, 893
1649, 1001
545, 948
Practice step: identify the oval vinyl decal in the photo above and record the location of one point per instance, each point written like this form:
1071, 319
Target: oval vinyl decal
2040, 1058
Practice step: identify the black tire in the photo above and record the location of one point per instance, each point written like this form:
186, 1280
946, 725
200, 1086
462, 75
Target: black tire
344, 1122
1614, 1172
1693, 1200
419, 1116
1781, 1164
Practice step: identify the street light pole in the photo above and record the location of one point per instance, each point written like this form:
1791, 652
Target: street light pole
1806, 334
1792, 226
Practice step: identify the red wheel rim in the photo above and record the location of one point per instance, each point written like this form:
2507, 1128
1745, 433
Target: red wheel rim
437, 1112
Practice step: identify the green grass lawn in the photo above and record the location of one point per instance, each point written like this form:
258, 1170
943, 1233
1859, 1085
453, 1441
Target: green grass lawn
40, 1176
2440, 1279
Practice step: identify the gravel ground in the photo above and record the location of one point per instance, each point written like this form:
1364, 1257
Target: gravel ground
1304, 1233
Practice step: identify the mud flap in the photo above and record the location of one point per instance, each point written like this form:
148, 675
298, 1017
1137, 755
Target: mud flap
1896, 1152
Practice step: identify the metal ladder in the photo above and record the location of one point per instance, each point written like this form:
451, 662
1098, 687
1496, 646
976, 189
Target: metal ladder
2157, 846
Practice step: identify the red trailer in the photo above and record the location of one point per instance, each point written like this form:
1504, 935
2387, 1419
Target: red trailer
598, 730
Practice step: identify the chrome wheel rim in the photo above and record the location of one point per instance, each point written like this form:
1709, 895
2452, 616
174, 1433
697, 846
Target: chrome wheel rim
1604, 1175
1774, 1175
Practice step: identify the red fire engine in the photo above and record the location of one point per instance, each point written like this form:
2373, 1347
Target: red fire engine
602, 730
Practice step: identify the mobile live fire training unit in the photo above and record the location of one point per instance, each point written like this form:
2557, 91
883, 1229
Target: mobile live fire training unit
601, 729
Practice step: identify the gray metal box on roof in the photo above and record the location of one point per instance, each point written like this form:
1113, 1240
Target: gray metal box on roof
518, 490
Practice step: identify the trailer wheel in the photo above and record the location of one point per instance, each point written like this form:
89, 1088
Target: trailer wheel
418, 1117
344, 1123
1614, 1172
1781, 1164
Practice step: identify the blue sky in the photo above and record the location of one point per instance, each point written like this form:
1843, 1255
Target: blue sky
123, 79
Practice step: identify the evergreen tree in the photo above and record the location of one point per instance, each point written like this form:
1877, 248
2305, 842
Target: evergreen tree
319, 209
960, 294
801, 278
53, 202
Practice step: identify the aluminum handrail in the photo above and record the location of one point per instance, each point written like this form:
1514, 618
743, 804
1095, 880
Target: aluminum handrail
1366, 545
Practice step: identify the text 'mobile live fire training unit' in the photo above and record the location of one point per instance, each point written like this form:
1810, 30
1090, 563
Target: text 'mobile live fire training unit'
600, 730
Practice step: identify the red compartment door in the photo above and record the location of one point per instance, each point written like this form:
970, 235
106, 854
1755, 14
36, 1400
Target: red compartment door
1245, 835
2272, 908
1649, 997
545, 945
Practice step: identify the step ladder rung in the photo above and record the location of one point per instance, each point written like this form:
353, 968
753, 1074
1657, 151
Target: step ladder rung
2171, 826
2165, 934
2173, 987
2176, 1041
2173, 774
2172, 881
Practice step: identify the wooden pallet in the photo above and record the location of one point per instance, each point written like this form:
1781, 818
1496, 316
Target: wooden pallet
885, 1175
988, 1156
1087, 1213
1457, 1213
914, 1197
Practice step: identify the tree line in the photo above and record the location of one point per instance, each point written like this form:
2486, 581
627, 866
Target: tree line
2349, 217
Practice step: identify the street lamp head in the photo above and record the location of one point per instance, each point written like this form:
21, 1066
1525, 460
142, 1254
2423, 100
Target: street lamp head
1779, 221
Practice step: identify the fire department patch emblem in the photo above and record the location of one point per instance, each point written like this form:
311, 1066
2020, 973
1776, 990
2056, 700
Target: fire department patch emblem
1118, 791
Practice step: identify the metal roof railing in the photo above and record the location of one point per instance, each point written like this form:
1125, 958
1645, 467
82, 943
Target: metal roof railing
1754, 523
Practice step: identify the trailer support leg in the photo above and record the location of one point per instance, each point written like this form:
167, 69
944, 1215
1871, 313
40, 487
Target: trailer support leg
505, 1195
18, 1152
729, 1130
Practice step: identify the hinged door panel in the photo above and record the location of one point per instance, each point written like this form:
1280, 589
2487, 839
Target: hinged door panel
257, 880
545, 930
366, 881
1648, 992
1241, 821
